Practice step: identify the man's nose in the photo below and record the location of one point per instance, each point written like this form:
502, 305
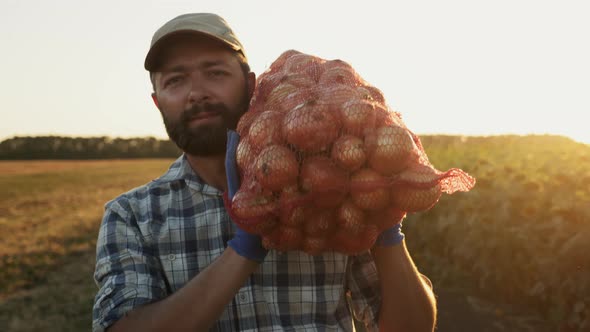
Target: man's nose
198, 90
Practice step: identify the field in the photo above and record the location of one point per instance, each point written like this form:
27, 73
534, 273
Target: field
512, 254
522, 235
50, 212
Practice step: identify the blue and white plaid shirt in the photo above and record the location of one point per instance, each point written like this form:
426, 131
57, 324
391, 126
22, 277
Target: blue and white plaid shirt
155, 238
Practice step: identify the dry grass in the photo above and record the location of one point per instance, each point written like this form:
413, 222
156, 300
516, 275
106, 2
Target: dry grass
50, 212
20, 167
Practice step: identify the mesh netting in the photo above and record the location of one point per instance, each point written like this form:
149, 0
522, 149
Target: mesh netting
325, 163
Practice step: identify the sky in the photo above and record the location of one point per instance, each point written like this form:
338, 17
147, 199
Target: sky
460, 67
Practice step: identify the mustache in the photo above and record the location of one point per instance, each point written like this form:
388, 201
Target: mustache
195, 110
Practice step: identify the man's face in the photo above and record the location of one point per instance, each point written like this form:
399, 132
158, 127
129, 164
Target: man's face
201, 91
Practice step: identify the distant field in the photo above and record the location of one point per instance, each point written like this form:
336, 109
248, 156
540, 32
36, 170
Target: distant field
521, 236
19, 167
52, 209
50, 212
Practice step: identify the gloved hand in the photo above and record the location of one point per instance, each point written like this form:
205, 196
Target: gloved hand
391, 236
245, 244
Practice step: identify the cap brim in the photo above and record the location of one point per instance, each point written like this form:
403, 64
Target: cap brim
151, 59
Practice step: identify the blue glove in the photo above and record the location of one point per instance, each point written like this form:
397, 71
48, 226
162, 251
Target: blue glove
391, 236
245, 244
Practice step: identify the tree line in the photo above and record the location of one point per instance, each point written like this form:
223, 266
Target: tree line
104, 147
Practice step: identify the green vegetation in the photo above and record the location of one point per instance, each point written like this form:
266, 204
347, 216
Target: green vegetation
520, 236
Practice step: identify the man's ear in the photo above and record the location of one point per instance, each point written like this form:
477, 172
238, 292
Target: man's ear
155, 99
251, 84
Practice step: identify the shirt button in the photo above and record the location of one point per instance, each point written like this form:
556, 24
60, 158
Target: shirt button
108, 290
171, 257
243, 297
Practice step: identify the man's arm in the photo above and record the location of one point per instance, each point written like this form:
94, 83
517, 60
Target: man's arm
408, 302
197, 305
200, 303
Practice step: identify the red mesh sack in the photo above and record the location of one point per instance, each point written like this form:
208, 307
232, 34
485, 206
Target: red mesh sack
325, 164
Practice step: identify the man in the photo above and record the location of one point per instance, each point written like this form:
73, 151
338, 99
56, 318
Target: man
170, 259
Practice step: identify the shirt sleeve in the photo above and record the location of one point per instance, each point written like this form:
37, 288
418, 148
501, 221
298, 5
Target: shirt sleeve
364, 290
127, 269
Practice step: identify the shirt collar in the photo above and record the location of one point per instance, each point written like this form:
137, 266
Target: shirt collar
181, 170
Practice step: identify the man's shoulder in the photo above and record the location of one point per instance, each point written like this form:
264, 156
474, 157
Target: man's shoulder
142, 192
156, 188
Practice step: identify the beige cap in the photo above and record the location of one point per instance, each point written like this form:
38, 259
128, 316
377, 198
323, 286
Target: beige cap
208, 24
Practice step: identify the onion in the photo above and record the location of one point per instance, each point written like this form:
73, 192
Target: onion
351, 218
278, 94
265, 130
369, 189
339, 75
319, 221
386, 117
348, 152
310, 66
300, 80
244, 156
310, 127
389, 149
337, 64
284, 239
265, 84
387, 217
245, 122
335, 96
371, 93
413, 199
314, 245
249, 205
276, 167
327, 182
357, 116
260, 227
296, 99
369, 236
299, 62
354, 244
344, 242
279, 63
419, 175
291, 202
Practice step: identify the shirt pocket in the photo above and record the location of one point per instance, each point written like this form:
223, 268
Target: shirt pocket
187, 246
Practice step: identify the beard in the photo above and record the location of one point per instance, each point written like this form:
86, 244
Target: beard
206, 140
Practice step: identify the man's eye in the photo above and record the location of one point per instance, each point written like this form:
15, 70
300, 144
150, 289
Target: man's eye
217, 73
172, 80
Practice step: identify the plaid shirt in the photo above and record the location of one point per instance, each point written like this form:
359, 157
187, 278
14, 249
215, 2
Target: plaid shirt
155, 238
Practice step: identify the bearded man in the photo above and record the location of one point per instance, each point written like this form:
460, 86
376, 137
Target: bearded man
169, 258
